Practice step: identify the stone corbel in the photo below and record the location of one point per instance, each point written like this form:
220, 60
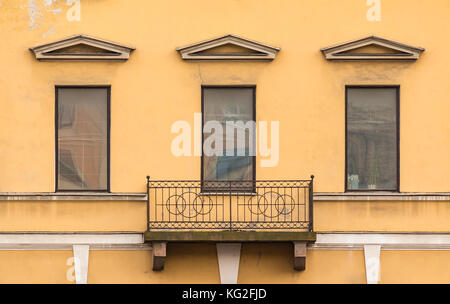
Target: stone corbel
372, 263
228, 255
159, 255
81, 263
299, 256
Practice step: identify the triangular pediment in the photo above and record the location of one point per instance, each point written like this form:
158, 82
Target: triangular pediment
81, 48
228, 47
372, 48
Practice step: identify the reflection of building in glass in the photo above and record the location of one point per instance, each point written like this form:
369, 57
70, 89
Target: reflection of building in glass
82, 139
228, 106
372, 138
233, 167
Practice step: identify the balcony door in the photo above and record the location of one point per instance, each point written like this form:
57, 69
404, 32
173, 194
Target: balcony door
228, 134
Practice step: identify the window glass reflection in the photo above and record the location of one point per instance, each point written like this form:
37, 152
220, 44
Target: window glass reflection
82, 139
372, 139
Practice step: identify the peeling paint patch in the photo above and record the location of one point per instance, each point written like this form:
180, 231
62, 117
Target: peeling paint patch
57, 11
50, 31
48, 4
39, 9
34, 13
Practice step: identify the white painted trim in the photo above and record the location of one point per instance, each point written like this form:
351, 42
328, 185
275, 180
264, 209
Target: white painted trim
81, 263
387, 241
383, 239
228, 256
66, 247
68, 238
372, 263
384, 247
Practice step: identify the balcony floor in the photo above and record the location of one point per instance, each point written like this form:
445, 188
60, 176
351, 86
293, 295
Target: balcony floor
230, 236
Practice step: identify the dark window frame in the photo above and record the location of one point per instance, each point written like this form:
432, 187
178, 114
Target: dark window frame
397, 87
203, 87
108, 127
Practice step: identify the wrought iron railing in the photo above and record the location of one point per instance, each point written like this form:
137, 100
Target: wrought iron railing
230, 205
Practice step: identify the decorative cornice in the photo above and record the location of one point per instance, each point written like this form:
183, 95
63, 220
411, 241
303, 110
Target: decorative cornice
400, 51
59, 50
257, 51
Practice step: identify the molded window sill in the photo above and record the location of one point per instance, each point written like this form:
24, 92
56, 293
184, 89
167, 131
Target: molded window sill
72, 196
381, 196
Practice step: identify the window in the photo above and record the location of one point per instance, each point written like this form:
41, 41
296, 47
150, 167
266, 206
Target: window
372, 160
82, 138
228, 128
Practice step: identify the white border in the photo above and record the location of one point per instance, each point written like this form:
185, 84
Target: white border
72, 239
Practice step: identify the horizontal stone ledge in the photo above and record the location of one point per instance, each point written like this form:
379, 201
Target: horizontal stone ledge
379, 238
65, 247
229, 236
381, 196
88, 238
72, 196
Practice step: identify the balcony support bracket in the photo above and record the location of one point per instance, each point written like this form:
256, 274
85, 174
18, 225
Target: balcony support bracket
159, 255
299, 256
228, 255
229, 241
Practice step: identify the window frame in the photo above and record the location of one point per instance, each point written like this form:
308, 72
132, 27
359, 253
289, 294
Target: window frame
397, 105
203, 88
108, 139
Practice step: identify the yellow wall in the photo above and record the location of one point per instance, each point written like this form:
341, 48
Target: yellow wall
188, 263
131, 216
414, 267
35, 267
197, 263
185, 263
397, 216
73, 216
155, 87
273, 264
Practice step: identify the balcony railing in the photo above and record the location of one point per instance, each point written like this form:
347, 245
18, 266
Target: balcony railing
230, 205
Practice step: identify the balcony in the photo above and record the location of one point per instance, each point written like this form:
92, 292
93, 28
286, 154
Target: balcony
230, 205
231, 212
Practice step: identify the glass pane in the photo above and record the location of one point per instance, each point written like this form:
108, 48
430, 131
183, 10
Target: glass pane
229, 106
82, 139
372, 139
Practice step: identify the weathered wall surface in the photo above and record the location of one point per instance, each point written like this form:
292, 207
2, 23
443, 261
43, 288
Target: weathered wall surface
156, 88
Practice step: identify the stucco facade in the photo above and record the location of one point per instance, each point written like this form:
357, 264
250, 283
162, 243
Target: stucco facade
155, 87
